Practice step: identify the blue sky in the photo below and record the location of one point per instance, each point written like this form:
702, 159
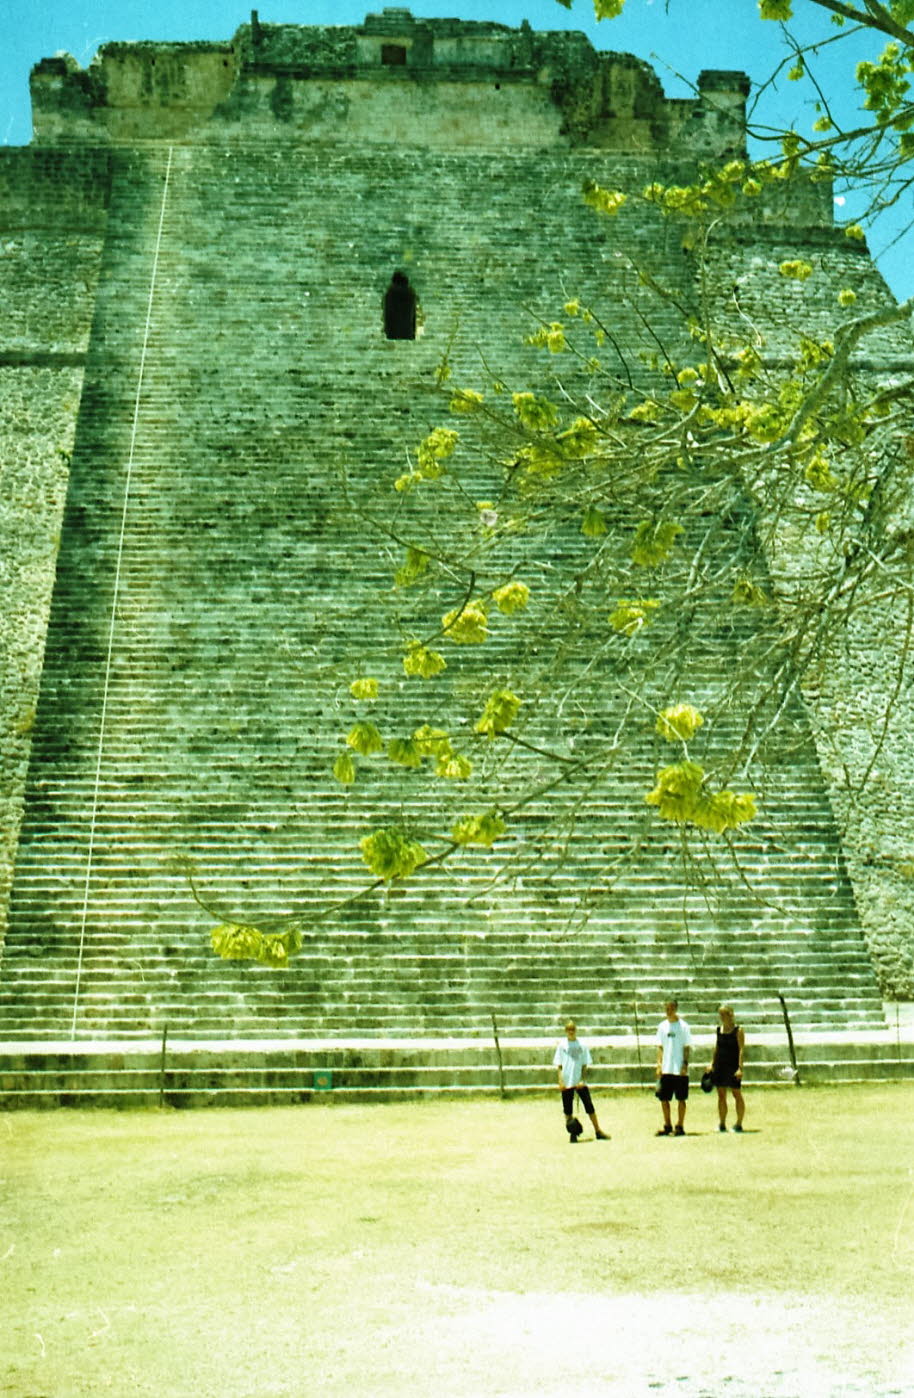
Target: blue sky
679, 37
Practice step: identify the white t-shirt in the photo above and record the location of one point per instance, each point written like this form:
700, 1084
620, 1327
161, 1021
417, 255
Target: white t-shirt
673, 1038
572, 1057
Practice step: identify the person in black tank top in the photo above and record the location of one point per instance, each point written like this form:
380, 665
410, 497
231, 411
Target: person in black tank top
727, 1067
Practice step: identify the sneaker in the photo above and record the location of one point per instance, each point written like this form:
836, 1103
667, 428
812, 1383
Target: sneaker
680, 1131
738, 1128
601, 1136
723, 1128
664, 1131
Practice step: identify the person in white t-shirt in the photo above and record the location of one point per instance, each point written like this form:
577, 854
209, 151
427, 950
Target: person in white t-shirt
572, 1059
674, 1042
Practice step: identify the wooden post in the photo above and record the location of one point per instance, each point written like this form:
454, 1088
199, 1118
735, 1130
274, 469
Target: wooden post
501, 1066
162, 1066
638, 1044
793, 1056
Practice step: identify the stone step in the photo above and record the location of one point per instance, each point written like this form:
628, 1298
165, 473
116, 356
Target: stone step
249, 1075
302, 986
227, 1023
352, 958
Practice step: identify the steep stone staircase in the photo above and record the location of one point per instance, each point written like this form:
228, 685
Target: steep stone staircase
201, 636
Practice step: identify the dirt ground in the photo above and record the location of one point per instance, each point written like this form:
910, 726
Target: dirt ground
461, 1248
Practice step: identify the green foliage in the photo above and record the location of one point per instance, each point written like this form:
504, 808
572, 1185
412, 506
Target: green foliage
344, 769
886, 87
776, 9
746, 593
468, 625
682, 797
727, 810
413, 567
538, 462
818, 473
391, 854
453, 767
406, 752
481, 830
579, 440
813, 355
436, 743
629, 617
605, 201
277, 949
796, 270
500, 711
764, 422
536, 414
433, 742
717, 189
240, 942
550, 337
236, 941
678, 791
608, 9
436, 448
365, 739
647, 411
654, 542
366, 688
511, 598
466, 400
679, 723
593, 525
420, 661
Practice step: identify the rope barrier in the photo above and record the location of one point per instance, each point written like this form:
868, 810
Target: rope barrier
115, 595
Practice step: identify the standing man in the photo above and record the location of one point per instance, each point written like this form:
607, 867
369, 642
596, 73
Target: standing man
674, 1042
572, 1058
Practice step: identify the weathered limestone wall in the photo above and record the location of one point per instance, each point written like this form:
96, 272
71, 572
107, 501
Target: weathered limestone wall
52, 220
428, 84
861, 706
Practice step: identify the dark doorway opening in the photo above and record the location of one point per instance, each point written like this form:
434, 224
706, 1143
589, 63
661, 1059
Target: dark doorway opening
400, 309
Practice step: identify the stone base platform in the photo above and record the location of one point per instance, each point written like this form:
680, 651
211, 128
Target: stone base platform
232, 1072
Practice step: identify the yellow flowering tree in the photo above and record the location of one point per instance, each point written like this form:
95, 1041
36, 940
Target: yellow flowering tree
577, 536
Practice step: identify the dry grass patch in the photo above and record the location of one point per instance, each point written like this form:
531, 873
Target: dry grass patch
461, 1248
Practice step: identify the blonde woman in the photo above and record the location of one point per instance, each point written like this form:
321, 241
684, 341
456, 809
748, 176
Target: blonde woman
727, 1067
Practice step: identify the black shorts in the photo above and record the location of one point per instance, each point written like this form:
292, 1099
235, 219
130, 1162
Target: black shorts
673, 1085
568, 1099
